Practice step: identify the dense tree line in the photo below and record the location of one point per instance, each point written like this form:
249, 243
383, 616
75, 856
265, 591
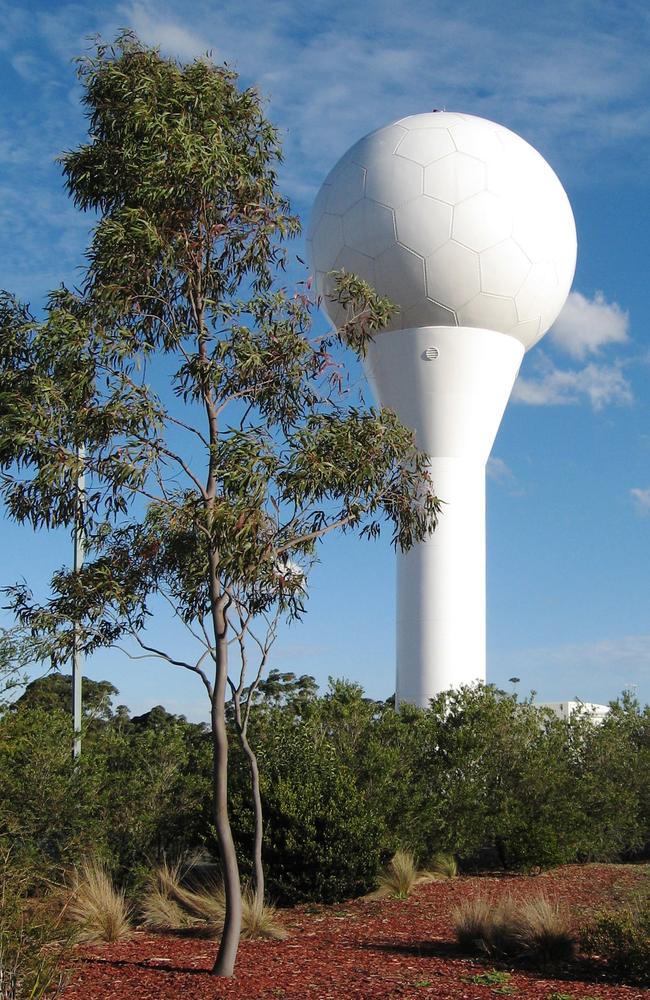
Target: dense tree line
345, 781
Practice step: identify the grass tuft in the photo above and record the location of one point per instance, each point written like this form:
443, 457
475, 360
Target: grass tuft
204, 902
543, 929
96, 906
159, 912
443, 864
260, 919
176, 901
537, 928
400, 877
475, 925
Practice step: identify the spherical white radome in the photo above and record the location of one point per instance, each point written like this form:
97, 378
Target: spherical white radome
458, 220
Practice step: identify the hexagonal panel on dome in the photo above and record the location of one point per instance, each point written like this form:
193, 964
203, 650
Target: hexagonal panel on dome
527, 333
423, 224
550, 312
393, 182
400, 276
356, 263
424, 145
428, 313
533, 228
503, 268
453, 275
382, 142
324, 287
319, 207
369, 227
432, 119
502, 179
327, 241
538, 292
482, 221
454, 178
493, 312
477, 138
346, 187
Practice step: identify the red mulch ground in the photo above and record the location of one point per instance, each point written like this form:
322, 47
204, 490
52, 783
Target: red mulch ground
361, 950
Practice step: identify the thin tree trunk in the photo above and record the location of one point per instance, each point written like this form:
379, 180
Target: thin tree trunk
258, 867
224, 964
225, 961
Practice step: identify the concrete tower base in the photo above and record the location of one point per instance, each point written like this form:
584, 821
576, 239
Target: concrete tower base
451, 385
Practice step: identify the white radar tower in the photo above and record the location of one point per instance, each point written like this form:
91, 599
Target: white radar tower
466, 228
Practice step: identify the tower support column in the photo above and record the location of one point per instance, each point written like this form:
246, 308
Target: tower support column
441, 612
451, 386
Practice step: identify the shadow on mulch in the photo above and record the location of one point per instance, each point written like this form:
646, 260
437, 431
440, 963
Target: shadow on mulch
581, 970
124, 963
204, 933
421, 949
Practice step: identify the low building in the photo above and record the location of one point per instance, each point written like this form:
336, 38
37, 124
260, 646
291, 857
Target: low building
565, 709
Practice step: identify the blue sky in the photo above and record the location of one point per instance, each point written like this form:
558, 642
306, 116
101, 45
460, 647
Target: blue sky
569, 480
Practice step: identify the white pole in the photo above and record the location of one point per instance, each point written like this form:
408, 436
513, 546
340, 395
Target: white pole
78, 558
451, 386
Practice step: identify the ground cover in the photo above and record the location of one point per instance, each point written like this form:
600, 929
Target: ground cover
367, 949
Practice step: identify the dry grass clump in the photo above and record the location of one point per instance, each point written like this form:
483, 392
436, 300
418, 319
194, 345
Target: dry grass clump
443, 864
205, 903
159, 912
545, 929
537, 928
260, 919
176, 900
401, 877
475, 924
96, 906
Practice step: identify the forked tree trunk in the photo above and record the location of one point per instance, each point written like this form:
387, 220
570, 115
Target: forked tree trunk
225, 961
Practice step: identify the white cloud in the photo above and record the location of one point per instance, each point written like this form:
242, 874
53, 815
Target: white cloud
641, 499
499, 471
502, 475
172, 37
585, 325
340, 72
601, 385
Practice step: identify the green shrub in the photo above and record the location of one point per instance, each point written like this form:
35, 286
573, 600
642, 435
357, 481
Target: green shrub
346, 781
33, 946
48, 806
136, 793
322, 842
622, 938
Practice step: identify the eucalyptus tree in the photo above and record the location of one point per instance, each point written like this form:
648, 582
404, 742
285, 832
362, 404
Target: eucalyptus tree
218, 446
14, 658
